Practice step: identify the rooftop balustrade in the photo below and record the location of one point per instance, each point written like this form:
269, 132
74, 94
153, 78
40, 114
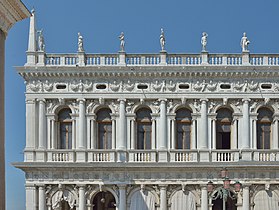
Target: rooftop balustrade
161, 59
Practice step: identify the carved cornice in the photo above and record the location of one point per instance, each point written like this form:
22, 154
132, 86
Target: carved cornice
11, 11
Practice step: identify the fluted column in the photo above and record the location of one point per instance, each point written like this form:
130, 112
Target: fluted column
194, 132
163, 197
122, 197
74, 131
254, 127
31, 197
214, 133
246, 198
81, 139
204, 126
30, 123
122, 125
173, 133
133, 142
81, 192
153, 133
275, 133
42, 198
163, 125
42, 124
204, 198
93, 133
113, 131
246, 125
235, 137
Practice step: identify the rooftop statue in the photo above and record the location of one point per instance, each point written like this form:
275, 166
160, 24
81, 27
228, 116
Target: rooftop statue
162, 40
244, 43
80, 43
122, 42
204, 41
41, 40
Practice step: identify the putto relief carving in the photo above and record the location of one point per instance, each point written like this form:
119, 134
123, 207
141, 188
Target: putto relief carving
171, 86
199, 86
34, 86
157, 86
212, 86
115, 87
129, 86
48, 86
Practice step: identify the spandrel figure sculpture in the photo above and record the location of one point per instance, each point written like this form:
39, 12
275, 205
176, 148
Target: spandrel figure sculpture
80, 43
244, 43
204, 41
41, 40
162, 40
122, 42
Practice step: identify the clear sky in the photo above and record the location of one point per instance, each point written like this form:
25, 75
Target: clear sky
100, 22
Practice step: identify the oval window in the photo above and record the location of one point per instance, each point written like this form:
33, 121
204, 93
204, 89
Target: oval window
61, 86
101, 87
142, 86
184, 86
266, 86
225, 86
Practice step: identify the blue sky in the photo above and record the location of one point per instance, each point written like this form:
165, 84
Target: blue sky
100, 22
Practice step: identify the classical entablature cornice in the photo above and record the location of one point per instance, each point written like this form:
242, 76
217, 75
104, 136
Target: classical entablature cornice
11, 11
150, 71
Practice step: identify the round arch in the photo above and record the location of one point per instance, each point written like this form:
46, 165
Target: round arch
137, 107
190, 107
191, 190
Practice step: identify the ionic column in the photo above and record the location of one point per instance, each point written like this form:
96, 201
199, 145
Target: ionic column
173, 133
122, 197
113, 132
93, 133
31, 197
254, 125
42, 198
246, 125
74, 128
53, 136
30, 123
122, 125
235, 125
81, 139
275, 133
42, 124
163, 126
153, 133
48, 132
133, 142
81, 192
203, 144
193, 132
204, 198
246, 198
163, 197
213, 133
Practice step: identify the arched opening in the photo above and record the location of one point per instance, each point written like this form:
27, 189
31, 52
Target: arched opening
65, 206
264, 128
182, 200
142, 200
65, 129
223, 128
144, 128
183, 128
266, 199
229, 202
104, 125
104, 201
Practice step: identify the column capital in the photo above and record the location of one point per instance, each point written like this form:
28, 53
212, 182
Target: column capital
122, 100
81, 100
203, 100
41, 185
203, 186
122, 186
81, 186
41, 100
163, 186
163, 100
246, 100
30, 101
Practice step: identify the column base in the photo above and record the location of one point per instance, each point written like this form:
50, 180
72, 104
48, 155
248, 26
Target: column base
40, 155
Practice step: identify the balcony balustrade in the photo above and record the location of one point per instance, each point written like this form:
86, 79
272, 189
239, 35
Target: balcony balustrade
151, 156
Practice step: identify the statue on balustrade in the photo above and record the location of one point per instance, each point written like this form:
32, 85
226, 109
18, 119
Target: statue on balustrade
244, 43
122, 42
80, 43
41, 40
204, 41
162, 40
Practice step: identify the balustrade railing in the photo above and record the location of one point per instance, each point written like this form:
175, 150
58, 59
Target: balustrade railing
151, 156
155, 59
184, 156
266, 155
142, 156
225, 156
